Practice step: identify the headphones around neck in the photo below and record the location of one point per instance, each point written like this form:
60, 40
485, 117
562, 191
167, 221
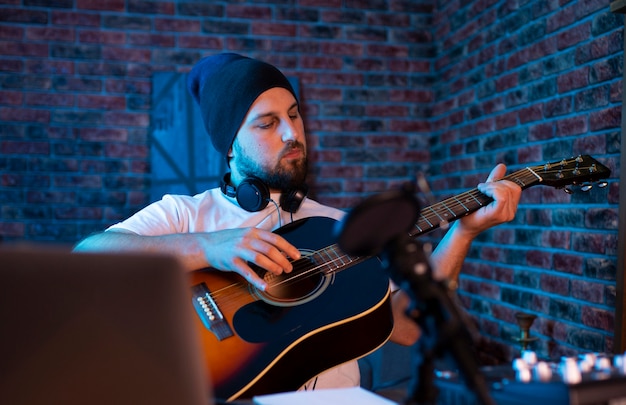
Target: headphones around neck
253, 195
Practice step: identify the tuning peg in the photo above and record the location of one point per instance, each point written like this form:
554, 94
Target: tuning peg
586, 187
602, 184
568, 190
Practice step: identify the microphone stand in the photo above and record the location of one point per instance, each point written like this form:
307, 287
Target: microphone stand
444, 329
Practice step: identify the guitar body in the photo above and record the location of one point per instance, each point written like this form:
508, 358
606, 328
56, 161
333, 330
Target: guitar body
319, 320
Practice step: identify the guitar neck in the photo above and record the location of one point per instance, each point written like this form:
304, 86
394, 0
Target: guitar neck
449, 210
578, 171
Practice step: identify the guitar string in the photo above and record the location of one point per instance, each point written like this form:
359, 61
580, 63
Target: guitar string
454, 203
524, 176
451, 204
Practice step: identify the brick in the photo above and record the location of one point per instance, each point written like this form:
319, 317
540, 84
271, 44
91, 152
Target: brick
573, 80
76, 117
319, 31
606, 118
100, 198
22, 49
127, 55
11, 65
555, 284
24, 181
103, 134
126, 119
176, 25
75, 51
200, 42
118, 150
24, 115
366, 34
49, 67
51, 197
175, 57
573, 36
388, 51
75, 19
155, 40
78, 213
199, 9
84, 181
11, 97
50, 34
99, 37
564, 310
606, 70
600, 268
568, 263
601, 218
126, 23
102, 5
101, 102
18, 15
540, 259
598, 318
259, 13
11, 230
587, 291
151, 7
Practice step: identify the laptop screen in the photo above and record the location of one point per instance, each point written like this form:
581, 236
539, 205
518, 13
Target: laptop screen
83, 328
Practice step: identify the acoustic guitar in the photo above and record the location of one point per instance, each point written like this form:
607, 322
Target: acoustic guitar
333, 307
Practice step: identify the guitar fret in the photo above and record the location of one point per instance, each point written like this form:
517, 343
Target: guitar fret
338, 258
476, 199
462, 205
435, 212
330, 262
326, 262
426, 219
452, 212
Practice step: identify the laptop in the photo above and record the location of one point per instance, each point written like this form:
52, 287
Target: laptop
86, 328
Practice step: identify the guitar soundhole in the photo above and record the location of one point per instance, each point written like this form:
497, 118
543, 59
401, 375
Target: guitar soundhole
301, 285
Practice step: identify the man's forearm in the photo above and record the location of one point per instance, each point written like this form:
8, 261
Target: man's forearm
179, 245
447, 259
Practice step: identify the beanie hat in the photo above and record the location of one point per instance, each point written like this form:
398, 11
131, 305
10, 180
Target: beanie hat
225, 86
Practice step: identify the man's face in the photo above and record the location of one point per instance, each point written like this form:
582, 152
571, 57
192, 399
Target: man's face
270, 143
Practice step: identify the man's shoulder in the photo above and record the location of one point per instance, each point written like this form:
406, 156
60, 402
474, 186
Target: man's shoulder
312, 208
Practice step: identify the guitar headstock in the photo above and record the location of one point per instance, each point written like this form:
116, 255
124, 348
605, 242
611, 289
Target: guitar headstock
581, 170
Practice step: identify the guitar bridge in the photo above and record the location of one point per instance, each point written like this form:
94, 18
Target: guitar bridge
209, 313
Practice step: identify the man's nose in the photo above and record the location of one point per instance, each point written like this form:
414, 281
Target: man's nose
289, 132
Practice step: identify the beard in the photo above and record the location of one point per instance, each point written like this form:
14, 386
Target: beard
285, 175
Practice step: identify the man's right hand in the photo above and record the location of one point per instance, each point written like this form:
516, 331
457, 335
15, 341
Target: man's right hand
234, 249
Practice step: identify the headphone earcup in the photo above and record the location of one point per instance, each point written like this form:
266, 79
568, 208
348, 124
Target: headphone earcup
290, 200
226, 188
252, 194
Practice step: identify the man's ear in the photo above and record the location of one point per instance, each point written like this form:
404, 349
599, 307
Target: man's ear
229, 156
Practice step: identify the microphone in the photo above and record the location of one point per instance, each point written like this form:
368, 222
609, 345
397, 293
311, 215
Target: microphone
380, 225
369, 227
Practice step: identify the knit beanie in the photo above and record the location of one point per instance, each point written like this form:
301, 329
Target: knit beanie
225, 86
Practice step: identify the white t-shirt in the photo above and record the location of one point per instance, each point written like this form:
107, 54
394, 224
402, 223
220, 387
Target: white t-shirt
213, 211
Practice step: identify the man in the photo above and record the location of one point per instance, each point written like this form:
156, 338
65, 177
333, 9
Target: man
252, 116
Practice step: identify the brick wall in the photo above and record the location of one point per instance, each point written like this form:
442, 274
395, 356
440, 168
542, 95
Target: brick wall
521, 83
389, 88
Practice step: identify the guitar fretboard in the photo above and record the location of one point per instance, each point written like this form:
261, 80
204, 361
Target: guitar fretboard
455, 207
